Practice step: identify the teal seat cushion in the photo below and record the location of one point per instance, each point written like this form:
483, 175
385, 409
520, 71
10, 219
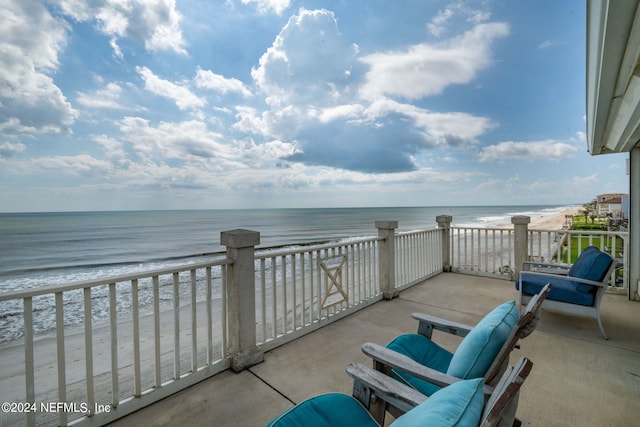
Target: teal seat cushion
479, 348
458, 405
326, 410
424, 351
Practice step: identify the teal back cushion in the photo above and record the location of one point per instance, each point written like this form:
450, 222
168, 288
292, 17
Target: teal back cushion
332, 409
460, 405
480, 347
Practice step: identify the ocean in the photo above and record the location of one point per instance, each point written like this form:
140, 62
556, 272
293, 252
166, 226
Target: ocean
39, 249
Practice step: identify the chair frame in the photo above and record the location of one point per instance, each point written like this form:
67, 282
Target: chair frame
370, 387
385, 360
562, 306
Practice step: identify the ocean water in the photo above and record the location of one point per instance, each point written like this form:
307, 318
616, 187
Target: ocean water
39, 249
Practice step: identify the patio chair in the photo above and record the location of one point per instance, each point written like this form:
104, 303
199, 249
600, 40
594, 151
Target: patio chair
576, 290
484, 351
462, 403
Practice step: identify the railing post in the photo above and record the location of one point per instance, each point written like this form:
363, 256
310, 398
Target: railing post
387, 258
241, 298
520, 242
444, 222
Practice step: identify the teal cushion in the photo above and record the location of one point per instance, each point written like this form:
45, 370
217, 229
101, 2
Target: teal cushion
480, 347
424, 351
460, 404
332, 409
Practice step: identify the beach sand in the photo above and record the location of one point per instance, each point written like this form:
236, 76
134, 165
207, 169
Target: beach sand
550, 221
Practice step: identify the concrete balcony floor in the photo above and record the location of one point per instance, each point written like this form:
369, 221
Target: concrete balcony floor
578, 378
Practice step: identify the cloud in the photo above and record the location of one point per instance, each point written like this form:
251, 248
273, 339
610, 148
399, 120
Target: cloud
154, 23
206, 79
183, 97
530, 151
308, 61
30, 42
81, 164
313, 82
107, 98
428, 69
264, 6
181, 141
8, 150
449, 16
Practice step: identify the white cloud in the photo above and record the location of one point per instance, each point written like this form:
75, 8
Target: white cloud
313, 86
108, 97
183, 97
530, 151
8, 149
277, 6
206, 79
154, 23
446, 18
183, 141
308, 61
428, 69
30, 42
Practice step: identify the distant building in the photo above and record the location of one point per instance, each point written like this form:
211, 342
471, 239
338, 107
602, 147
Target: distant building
611, 205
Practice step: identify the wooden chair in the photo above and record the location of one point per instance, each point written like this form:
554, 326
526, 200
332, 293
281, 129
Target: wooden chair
429, 377
462, 402
577, 289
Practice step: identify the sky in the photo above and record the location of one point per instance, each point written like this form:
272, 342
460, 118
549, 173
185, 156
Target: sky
205, 104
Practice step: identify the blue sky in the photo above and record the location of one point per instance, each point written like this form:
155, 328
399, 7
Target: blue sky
132, 104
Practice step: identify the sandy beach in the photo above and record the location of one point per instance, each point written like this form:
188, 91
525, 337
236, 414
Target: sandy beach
552, 221
548, 221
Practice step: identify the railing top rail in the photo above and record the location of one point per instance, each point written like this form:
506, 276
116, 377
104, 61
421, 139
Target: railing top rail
408, 233
51, 289
464, 227
595, 233
269, 253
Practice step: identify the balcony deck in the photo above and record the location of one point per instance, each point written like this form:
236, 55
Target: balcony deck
578, 377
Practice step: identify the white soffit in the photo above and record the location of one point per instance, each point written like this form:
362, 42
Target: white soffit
613, 75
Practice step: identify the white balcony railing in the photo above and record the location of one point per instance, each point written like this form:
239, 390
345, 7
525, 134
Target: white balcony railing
95, 351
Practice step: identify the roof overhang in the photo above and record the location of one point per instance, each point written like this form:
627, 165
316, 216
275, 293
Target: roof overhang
613, 75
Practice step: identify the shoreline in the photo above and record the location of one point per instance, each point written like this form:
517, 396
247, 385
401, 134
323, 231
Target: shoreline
549, 221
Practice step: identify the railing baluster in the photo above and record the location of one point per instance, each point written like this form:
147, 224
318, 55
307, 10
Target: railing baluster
113, 331
263, 299
60, 356
176, 326
137, 386
194, 323
156, 330
209, 306
88, 342
29, 358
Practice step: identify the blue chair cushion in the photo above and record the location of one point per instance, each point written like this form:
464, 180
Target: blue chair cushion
592, 264
458, 405
479, 348
332, 409
562, 289
424, 351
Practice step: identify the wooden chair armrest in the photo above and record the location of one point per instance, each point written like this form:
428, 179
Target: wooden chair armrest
571, 279
428, 323
384, 358
367, 380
